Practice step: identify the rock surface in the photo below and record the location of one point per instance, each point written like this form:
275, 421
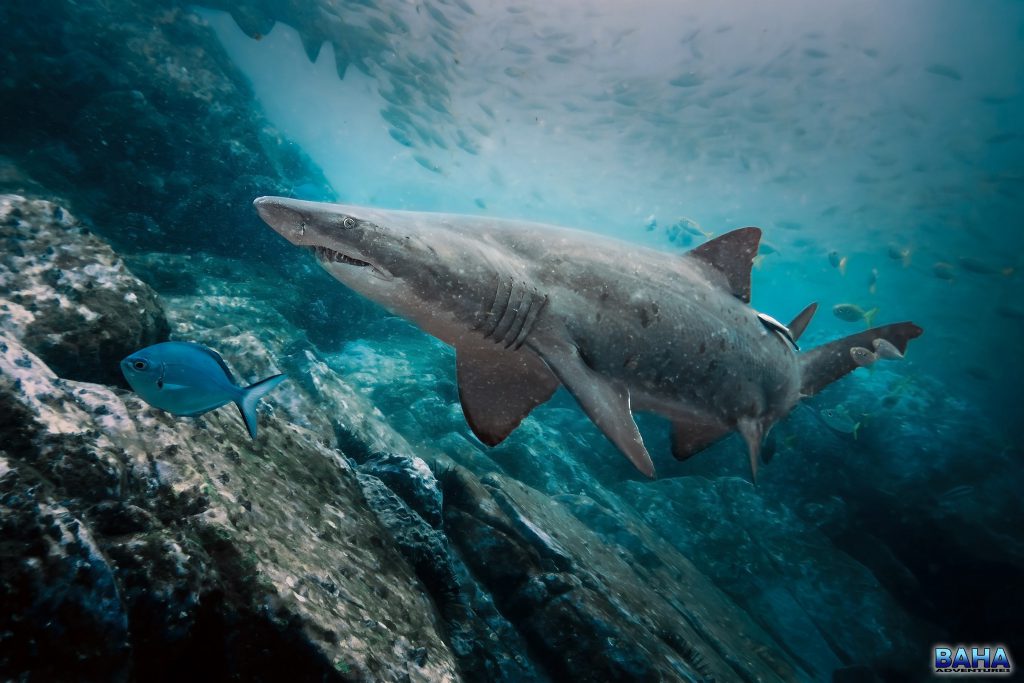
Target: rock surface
168, 548
72, 302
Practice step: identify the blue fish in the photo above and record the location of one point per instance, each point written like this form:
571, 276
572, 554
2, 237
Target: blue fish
190, 379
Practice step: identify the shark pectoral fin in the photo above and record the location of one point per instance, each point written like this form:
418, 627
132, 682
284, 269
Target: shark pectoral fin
605, 403
732, 255
690, 438
752, 432
498, 389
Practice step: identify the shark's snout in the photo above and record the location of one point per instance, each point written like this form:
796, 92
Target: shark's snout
324, 228
283, 216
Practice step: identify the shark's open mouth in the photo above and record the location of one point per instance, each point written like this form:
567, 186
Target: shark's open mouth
325, 254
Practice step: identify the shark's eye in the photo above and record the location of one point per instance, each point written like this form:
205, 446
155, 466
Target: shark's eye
140, 365
348, 222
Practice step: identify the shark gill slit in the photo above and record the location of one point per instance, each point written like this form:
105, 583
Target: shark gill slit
498, 309
481, 316
487, 320
508, 319
517, 325
529, 321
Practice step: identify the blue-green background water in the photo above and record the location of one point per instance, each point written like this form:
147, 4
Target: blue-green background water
858, 128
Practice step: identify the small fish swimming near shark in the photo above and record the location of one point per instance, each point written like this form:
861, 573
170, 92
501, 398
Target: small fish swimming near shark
531, 307
863, 357
838, 262
190, 379
839, 420
884, 350
852, 313
900, 253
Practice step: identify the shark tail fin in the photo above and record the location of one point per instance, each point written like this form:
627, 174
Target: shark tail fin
824, 364
800, 322
251, 396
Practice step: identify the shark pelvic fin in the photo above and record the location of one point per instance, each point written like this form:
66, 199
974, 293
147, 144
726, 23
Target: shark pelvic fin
498, 389
802, 319
606, 403
690, 438
732, 255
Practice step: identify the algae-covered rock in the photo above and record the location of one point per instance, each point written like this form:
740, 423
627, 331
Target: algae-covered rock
591, 613
67, 296
780, 568
184, 547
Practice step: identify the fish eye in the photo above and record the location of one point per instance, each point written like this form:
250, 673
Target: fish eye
140, 365
349, 222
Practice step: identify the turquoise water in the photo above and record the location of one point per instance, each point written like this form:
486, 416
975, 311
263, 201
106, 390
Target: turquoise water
865, 129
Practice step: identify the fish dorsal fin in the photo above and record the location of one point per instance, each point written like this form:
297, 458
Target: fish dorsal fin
732, 254
216, 356
498, 389
802, 319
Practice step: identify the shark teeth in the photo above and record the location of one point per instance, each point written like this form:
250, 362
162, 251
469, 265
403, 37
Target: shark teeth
325, 254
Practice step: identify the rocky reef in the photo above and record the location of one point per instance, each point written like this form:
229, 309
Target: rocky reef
141, 546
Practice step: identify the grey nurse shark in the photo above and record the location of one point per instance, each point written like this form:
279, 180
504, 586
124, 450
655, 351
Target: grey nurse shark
529, 307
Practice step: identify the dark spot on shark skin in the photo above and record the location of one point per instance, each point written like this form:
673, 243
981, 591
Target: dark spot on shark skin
703, 347
645, 318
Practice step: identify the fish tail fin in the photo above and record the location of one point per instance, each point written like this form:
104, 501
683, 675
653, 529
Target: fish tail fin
824, 364
251, 396
869, 317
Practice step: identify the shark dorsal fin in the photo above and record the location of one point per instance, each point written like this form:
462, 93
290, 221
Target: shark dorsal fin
732, 254
799, 324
